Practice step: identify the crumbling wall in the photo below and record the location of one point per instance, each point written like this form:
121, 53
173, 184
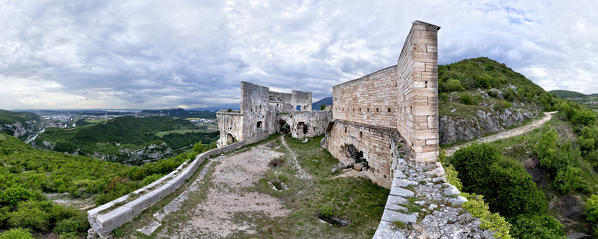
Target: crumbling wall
374, 141
259, 115
307, 123
229, 125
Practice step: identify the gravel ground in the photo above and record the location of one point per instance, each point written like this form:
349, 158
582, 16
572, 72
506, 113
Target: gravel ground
229, 203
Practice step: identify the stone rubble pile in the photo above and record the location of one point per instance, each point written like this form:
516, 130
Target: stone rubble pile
422, 204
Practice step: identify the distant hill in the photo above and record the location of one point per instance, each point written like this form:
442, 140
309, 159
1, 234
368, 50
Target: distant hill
179, 112
127, 139
567, 94
325, 101
9, 117
591, 101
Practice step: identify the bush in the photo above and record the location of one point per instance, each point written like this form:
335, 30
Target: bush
584, 117
509, 94
28, 215
592, 209
569, 179
452, 85
16, 233
150, 179
492, 221
504, 183
537, 226
465, 98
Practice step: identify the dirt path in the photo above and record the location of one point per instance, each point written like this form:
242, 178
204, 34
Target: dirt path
505, 134
229, 201
300, 172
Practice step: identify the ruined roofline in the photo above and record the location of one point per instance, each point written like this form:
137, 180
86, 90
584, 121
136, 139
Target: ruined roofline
365, 76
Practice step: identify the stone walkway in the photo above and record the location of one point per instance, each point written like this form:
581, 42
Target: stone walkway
175, 204
505, 134
422, 204
301, 174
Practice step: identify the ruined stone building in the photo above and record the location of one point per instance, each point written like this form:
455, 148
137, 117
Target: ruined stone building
392, 112
264, 112
375, 120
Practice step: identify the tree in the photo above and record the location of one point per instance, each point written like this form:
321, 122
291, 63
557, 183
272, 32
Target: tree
536, 227
16, 233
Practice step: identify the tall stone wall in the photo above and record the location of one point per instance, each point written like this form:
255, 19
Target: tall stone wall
417, 75
395, 104
368, 100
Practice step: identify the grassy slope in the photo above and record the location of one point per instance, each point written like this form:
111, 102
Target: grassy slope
491, 87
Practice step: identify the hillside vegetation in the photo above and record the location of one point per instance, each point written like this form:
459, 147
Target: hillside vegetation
544, 182
590, 101
127, 139
18, 124
27, 175
480, 96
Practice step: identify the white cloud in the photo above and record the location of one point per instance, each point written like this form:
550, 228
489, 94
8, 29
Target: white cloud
150, 54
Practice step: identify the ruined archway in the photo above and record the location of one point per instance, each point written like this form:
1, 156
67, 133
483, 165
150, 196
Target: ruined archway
230, 139
283, 127
302, 129
356, 155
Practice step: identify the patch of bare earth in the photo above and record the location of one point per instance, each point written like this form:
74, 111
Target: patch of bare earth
230, 203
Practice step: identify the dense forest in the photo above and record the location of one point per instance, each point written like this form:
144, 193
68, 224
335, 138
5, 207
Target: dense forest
543, 183
28, 176
123, 138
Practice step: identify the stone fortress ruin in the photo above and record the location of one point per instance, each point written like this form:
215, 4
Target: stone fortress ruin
384, 124
264, 112
375, 120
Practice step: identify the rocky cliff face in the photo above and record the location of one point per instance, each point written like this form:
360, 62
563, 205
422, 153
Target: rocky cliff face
20, 130
455, 128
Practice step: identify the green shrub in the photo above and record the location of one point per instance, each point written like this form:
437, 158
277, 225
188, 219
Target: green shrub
505, 184
16, 233
584, 117
28, 215
592, 209
465, 98
509, 94
569, 179
443, 97
538, 226
327, 211
452, 85
492, 221
150, 179
322, 107
492, 93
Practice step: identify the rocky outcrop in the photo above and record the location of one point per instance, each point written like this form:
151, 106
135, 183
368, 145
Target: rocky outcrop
20, 130
468, 127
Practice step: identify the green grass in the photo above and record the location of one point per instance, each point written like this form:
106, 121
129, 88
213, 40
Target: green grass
358, 200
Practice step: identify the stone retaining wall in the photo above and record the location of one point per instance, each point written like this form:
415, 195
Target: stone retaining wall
105, 218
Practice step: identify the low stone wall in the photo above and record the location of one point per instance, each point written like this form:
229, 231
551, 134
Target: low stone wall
105, 218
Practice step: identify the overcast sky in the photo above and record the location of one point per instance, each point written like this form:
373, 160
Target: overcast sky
156, 54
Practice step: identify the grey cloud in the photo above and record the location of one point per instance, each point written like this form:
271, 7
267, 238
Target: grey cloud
152, 54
